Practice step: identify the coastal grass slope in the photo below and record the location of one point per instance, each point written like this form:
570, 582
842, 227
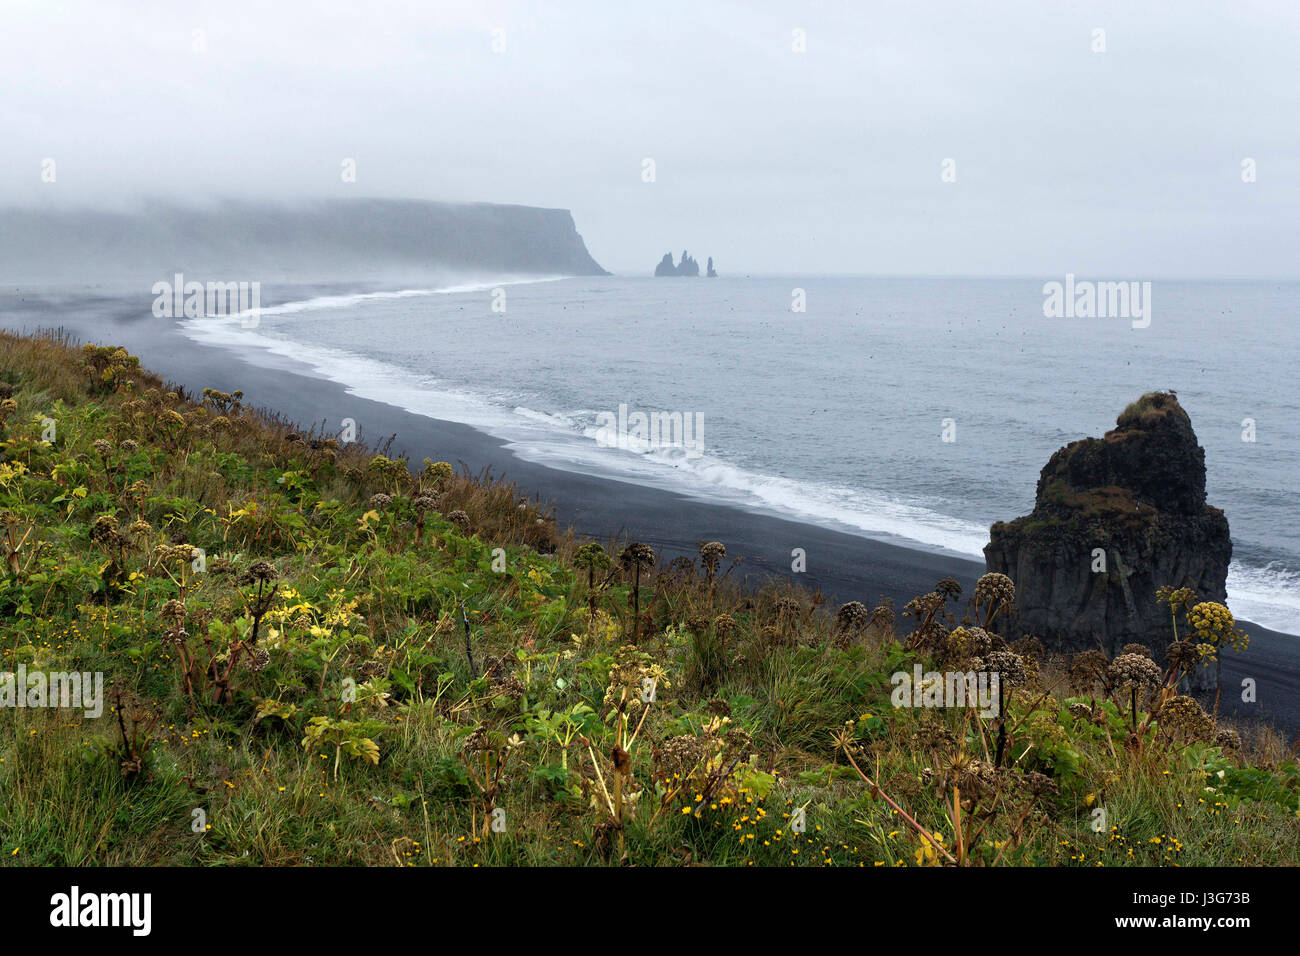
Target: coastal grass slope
317, 654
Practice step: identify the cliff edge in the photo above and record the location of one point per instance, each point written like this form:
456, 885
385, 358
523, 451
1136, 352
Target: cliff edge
343, 238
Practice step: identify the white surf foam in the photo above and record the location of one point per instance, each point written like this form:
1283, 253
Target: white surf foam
707, 476
361, 376
567, 441
320, 302
1269, 596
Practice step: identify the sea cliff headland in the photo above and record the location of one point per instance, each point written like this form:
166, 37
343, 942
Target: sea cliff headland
353, 237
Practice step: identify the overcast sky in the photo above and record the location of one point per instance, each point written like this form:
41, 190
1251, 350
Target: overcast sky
1118, 164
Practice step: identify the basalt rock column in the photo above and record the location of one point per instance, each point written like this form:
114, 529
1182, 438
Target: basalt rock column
1114, 519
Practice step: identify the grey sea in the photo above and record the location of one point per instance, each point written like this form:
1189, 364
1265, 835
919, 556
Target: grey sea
914, 410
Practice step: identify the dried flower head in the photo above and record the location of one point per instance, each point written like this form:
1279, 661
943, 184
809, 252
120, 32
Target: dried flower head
679, 755
1184, 716
970, 642
1082, 711
1030, 648
259, 571
787, 607
104, 532
176, 553
994, 590
851, 616
1008, 665
632, 672
711, 552
637, 555
1182, 656
476, 742
371, 668
1089, 670
949, 588
718, 707
883, 616
1041, 785
1136, 672
924, 605
1227, 738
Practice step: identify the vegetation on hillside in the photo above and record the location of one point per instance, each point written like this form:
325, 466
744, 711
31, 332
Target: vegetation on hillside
317, 654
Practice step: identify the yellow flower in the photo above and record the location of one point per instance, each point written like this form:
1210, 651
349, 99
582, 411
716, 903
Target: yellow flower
926, 854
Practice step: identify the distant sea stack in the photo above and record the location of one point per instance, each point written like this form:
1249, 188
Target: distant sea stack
1114, 519
686, 267
341, 238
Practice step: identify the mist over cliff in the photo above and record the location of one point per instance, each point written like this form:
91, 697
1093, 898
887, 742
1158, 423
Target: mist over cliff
341, 239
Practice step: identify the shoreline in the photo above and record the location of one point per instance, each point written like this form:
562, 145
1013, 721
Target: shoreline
841, 565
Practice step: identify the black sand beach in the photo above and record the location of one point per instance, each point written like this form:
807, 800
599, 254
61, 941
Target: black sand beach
843, 566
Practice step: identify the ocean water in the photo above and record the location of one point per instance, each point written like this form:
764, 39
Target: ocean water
836, 414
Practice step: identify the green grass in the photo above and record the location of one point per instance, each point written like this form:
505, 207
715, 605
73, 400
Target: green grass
363, 735
1148, 409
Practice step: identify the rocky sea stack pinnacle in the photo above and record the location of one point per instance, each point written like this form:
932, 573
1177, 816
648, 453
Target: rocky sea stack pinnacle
1114, 519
